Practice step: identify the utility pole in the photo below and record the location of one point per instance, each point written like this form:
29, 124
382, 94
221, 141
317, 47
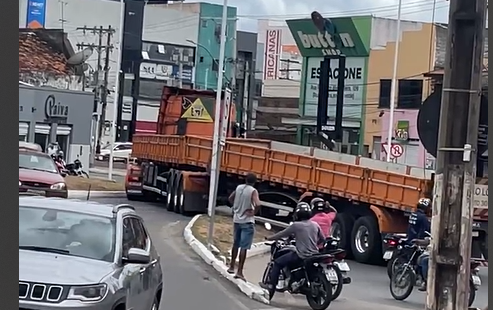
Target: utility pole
100, 90
448, 276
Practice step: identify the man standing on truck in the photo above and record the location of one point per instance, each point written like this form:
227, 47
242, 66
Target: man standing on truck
245, 200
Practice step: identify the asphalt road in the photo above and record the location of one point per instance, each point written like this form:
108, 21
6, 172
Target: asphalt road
190, 284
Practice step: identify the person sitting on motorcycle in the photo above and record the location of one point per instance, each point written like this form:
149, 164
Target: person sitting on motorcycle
418, 226
323, 214
308, 236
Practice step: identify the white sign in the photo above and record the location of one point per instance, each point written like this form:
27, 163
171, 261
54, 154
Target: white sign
155, 71
272, 52
225, 117
481, 196
326, 41
353, 89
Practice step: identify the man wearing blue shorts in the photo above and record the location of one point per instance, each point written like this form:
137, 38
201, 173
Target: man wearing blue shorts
245, 201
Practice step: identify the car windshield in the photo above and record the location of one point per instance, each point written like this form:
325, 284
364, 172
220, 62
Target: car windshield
66, 232
34, 161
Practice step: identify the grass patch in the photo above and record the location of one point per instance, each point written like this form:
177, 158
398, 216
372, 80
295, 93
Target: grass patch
78, 183
223, 232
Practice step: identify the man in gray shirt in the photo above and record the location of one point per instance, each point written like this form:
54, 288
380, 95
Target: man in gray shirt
245, 202
308, 235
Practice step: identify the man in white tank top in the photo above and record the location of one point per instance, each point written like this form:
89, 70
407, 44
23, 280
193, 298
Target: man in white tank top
245, 202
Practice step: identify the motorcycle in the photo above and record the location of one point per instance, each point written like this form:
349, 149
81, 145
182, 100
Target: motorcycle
308, 278
396, 253
75, 169
337, 270
410, 275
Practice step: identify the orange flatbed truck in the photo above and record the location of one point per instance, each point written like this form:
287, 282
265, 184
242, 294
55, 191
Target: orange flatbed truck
373, 197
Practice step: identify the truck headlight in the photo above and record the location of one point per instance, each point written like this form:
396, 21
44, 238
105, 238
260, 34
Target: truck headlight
88, 292
58, 186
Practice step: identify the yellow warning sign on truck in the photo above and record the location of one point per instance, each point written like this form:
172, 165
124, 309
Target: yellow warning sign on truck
197, 113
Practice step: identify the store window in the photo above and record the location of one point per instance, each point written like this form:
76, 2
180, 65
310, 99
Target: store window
384, 97
41, 139
410, 94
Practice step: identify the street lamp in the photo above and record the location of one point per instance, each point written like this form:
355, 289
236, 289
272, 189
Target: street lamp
394, 82
216, 147
117, 88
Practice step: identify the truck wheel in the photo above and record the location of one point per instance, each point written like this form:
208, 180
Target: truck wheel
366, 242
176, 182
341, 228
180, 197
170, 190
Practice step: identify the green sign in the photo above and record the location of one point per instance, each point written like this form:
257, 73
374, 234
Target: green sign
313, 43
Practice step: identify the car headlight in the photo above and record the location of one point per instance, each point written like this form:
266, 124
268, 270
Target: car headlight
20, 183
88, 293
59, 186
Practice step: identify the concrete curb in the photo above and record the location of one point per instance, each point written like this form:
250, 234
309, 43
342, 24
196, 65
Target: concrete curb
105, 171
249, 289
96, 194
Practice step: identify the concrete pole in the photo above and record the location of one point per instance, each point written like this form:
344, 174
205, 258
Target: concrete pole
449, 272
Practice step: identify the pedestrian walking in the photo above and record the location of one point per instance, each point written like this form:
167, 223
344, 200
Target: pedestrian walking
245, 200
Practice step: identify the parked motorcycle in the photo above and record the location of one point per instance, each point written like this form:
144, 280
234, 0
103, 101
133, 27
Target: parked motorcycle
338, 269
308, 278
409, 275
75, 169
396, 253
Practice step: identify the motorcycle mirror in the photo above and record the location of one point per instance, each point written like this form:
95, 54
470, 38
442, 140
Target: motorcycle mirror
268, 226
290, 223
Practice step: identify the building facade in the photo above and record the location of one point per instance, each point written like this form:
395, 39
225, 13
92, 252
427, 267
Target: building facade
355, 35
49, 115
417, 51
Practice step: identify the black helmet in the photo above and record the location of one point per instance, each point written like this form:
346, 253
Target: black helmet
303, 212
318, 205
424, 204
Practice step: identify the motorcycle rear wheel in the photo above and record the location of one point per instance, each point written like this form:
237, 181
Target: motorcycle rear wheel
319, 285
406, 278
337, 287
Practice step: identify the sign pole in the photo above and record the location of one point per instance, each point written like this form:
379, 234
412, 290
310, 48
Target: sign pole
394, 80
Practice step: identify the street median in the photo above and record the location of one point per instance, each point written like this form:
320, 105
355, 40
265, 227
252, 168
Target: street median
195, 235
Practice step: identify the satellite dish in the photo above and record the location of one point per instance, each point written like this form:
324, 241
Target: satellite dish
80, 57
429, 118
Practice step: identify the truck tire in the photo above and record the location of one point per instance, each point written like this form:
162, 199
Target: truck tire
366, 243
170, 190
344, 223
176, 182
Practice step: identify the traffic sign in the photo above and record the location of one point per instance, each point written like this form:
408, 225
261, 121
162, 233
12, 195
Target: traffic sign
396, 150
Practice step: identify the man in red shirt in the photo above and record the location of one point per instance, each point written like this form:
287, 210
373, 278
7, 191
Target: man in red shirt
324, 214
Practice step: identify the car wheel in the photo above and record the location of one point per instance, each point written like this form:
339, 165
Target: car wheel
155, 304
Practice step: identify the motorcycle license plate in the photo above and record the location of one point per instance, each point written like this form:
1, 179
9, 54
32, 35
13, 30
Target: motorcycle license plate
476, 280
343, 266
331, 274
388, 255
475, 233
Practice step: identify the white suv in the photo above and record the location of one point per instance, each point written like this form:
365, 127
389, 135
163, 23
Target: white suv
121, 151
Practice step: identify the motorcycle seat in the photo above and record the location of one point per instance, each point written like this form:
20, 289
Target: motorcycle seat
317, 258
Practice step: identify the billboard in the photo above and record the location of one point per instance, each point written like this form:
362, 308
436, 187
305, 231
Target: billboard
272, 54
36, 12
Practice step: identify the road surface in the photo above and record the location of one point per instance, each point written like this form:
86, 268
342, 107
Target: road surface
190, 284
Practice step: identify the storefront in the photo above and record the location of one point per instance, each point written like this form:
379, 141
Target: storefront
314, 46
49, 115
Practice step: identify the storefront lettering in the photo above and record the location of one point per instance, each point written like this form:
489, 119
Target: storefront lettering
55, 109
349, 73
329, 43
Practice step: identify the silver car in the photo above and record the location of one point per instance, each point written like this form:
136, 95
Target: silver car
83, 255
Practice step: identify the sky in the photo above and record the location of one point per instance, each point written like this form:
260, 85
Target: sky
251, 11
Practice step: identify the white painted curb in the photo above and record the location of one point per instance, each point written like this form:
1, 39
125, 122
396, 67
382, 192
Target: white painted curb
96, 194
118, 172
249, 289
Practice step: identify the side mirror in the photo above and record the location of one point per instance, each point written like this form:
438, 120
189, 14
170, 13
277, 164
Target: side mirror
137, 256
290, 223
268, 226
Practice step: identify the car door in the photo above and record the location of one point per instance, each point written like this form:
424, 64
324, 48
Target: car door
148, 271
132, 273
